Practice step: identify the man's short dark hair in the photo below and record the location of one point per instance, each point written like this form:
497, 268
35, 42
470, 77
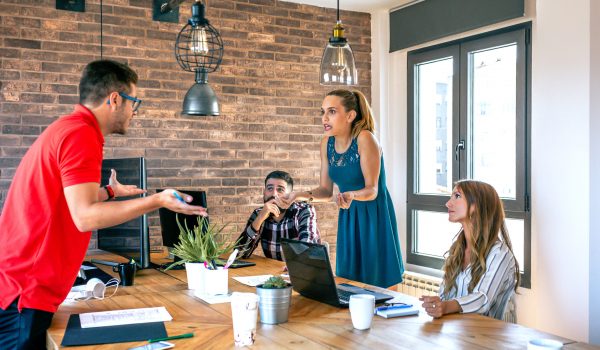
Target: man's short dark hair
282, 175
100, 78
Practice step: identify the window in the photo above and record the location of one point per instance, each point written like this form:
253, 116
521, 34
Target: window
468, 118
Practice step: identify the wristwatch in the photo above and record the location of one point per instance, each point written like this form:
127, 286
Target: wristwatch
110, 191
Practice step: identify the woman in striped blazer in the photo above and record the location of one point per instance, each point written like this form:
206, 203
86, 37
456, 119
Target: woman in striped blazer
480, 271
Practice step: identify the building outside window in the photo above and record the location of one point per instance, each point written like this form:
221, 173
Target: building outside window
468, 118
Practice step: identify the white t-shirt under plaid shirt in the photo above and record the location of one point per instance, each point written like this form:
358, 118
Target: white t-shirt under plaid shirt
299, 222
490, 295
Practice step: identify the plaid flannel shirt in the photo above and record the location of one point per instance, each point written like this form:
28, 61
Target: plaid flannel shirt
299, 222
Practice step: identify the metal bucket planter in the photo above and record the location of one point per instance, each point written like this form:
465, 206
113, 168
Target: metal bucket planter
274, 304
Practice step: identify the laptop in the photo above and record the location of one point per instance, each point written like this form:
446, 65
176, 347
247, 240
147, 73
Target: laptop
311, 276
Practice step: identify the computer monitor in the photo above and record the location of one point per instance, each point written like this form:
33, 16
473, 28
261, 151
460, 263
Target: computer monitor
168, 219
130, 239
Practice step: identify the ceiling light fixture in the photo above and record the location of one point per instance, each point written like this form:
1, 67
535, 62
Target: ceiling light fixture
199, 49
337, 63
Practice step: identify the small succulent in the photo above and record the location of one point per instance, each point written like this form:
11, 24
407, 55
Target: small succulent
275, 283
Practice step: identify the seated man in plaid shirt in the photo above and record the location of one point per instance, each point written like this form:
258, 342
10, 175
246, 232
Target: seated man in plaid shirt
271, 222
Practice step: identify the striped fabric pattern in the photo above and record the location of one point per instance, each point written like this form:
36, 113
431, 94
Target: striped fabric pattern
490, 296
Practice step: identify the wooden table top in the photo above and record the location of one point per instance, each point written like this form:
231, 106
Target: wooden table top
311, 325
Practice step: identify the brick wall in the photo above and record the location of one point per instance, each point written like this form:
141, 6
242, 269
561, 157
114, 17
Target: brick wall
267, 86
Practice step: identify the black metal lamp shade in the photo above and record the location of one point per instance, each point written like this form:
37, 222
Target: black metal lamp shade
201, 98
199, 49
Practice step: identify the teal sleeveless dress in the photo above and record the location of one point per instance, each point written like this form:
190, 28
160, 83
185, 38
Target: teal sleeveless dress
368, 247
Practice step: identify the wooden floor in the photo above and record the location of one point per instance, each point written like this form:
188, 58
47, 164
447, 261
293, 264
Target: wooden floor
311, 325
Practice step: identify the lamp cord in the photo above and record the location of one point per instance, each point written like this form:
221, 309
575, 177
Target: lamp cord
338, 10
101, 36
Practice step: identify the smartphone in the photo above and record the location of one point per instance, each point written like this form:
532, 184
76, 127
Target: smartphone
155, 346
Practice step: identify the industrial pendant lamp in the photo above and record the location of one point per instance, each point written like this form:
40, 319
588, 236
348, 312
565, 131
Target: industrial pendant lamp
199, 49
337, 63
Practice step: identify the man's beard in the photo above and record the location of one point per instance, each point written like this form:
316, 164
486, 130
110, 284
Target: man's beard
273, 197
119, 124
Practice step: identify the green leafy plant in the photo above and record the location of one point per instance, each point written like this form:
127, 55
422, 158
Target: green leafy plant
204, 242
275, 282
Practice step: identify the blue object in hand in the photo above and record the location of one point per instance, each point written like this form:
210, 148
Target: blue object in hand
178, 197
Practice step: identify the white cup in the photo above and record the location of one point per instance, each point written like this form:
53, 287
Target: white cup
216, 281
544, 344
362, 307
95, 288
244, 311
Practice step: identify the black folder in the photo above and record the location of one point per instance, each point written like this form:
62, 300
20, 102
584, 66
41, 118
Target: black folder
75, 335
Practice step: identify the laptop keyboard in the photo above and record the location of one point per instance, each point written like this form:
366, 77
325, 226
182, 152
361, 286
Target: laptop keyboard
344, 295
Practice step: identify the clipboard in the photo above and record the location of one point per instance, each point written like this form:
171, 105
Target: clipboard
75, 335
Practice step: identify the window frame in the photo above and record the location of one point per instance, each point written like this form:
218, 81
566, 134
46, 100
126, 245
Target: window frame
517, 208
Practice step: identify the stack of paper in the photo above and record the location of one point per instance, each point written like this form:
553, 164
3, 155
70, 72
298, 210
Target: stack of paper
122, 317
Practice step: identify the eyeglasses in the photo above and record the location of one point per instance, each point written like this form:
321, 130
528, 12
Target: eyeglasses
136, 101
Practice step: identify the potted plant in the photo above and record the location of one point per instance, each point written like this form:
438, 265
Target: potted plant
198, 248
274, 300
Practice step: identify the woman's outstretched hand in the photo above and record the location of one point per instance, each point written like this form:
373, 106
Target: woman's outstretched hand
287, 199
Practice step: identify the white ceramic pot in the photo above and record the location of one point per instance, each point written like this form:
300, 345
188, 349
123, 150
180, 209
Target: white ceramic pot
216, 281
195, 275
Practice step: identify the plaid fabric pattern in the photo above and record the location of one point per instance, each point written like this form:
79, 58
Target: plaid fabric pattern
299, 222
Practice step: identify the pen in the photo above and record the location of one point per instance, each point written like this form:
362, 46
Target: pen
186, 335
231, 259
394, 307
178, 197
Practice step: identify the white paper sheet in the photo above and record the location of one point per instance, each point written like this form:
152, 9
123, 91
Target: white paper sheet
214, 299
253, 281
127, 316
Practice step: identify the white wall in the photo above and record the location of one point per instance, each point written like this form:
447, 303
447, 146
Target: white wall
594, 329
558, 301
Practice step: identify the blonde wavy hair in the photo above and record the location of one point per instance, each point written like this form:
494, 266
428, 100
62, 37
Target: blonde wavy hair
486, 222
356, 101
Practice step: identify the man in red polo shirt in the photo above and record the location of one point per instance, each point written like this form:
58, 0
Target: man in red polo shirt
55, 200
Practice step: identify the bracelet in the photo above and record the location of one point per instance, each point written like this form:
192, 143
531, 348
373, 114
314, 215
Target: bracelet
110, 191
310, 198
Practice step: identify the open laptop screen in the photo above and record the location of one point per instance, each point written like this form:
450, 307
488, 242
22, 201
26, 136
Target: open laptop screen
310, 270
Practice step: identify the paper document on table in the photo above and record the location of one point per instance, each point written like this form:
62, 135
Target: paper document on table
121, 317
214, 299
253, 281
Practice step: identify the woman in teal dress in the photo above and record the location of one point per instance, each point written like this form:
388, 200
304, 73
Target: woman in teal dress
368, 247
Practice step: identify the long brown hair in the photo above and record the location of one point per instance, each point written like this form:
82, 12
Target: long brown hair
486, 223
356, 101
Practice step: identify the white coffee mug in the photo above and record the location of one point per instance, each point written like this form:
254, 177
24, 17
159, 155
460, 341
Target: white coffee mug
362, 307
544, 344
95, 288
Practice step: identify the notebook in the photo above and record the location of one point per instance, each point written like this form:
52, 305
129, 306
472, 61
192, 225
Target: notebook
311, 276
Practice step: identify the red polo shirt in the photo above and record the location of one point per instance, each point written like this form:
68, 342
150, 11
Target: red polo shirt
41, 249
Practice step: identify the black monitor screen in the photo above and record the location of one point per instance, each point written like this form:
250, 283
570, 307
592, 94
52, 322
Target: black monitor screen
168, 218
130, 239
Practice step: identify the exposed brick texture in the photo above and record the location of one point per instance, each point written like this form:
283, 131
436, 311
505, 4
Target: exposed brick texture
267, 86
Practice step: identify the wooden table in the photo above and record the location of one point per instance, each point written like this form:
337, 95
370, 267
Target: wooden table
311, 325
